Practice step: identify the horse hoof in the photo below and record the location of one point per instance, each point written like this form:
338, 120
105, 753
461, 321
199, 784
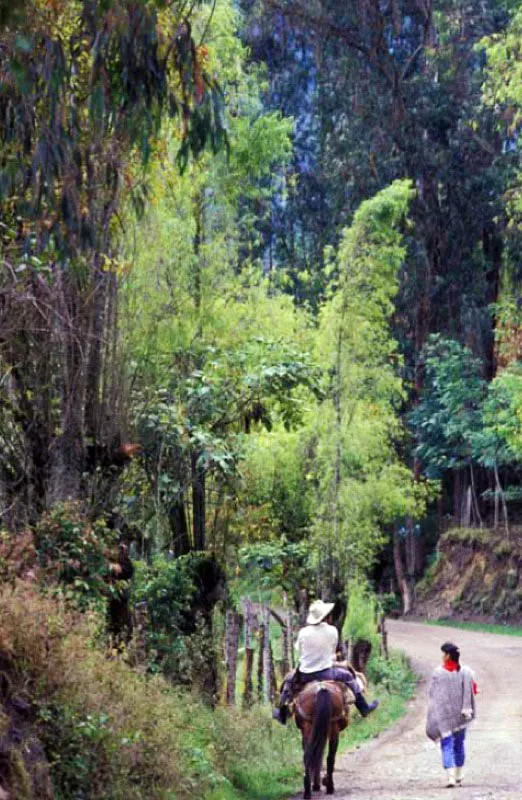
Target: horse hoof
307, 796
328, 783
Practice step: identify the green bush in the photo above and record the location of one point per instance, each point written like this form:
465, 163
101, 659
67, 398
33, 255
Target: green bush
393, 673
389, 603
504, 548
361, 614
74, 744
176, 635
74, 554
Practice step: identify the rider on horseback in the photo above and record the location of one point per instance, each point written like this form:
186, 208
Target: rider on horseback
317, 644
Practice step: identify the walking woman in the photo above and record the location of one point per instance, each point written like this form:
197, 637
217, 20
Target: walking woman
451, 707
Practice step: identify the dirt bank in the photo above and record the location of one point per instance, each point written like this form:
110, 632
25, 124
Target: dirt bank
477, 575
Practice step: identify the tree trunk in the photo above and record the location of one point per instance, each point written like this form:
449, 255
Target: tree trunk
198, 503
273, 680
401, 577
260, 662
94, 362
198, 241
457, 497
179, 528
303, 607
414, 555
71, 322
231, 648
493, 246
503, 499
466, 512
474, 497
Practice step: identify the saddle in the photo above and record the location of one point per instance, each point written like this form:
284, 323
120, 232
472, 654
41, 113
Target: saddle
339, 691
292, 687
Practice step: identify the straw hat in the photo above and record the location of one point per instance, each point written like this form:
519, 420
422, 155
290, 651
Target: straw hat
318, 611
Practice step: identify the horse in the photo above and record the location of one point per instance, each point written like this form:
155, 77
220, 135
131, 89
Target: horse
321, 713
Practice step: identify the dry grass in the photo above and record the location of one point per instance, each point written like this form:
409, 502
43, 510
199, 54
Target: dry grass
126, 735
132, 725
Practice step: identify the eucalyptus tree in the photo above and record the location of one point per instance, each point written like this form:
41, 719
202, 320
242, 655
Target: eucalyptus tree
216, 350
361, 486
394, 90
85, 88
470, 429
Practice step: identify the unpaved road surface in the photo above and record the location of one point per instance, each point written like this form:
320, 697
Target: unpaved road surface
402, 764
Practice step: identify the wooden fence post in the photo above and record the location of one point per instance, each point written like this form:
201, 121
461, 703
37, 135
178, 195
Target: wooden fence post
267, 667
384, 637
260, 661
287, 643
231, 645
249, 653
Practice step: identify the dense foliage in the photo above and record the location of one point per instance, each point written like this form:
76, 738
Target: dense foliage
219, 351
259, 309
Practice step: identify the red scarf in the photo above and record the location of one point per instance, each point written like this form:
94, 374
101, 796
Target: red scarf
453, 666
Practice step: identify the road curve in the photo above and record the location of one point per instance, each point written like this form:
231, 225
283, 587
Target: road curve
402, 764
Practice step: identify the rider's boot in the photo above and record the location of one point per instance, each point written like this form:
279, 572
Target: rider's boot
363, 707
281, 713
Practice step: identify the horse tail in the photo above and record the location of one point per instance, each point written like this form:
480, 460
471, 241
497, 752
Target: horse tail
313, 756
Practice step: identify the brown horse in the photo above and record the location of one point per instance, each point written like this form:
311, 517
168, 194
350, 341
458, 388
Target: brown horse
321, 713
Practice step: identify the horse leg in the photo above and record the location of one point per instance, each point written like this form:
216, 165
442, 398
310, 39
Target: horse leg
330, 763
307, 784
316, 785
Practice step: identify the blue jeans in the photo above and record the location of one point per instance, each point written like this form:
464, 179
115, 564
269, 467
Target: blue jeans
452, 747
332, 674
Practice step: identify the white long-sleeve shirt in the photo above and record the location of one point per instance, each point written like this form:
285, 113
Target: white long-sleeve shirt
316, 645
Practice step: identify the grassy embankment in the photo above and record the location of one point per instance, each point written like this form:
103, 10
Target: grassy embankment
109, 732
483, 627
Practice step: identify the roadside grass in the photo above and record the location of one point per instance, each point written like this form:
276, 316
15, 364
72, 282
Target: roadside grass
394, 683
483, 627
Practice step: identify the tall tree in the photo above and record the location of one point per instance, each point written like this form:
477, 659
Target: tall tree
395, 92
361, 485
85, 87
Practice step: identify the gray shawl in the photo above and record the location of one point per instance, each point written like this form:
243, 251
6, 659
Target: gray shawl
451, 703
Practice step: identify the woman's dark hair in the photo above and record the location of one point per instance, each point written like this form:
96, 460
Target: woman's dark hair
452, 650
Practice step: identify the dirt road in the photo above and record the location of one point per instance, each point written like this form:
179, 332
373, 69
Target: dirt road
402, 764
